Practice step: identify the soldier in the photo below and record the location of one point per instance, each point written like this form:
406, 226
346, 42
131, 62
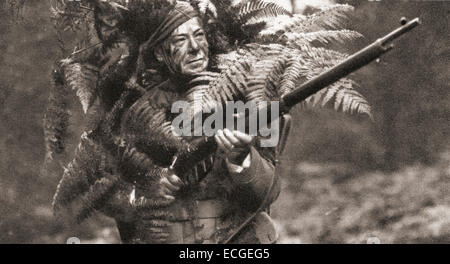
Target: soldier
240, 180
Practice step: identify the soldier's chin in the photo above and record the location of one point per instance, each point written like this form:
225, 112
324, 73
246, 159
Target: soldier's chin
195, 68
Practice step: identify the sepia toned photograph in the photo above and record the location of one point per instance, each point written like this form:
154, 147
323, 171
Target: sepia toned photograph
224, 122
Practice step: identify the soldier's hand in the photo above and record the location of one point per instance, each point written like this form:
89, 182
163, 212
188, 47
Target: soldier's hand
235, 144
158, 194
169, 185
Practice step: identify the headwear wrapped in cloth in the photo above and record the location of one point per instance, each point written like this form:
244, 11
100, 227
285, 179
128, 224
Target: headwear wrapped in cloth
181, 13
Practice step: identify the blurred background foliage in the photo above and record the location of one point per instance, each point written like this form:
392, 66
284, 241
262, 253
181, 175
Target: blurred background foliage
345, 179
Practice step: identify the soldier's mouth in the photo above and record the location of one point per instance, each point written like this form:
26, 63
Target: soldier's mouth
195, 61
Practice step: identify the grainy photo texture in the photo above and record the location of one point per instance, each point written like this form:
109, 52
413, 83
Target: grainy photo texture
224, 121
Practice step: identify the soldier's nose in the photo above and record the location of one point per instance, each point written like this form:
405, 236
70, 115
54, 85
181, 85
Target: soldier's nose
194, 46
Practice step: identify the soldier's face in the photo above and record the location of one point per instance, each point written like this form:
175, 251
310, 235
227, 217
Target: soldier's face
187, 49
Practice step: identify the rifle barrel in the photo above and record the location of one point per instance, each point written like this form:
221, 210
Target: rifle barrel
349, 65
401, 30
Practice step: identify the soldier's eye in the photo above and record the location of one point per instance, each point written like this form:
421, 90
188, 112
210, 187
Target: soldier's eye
179, 41
200, 34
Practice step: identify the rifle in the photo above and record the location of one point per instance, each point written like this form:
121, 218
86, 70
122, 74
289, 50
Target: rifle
206, 146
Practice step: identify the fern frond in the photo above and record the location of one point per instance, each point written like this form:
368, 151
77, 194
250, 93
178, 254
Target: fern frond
321, 36
79, 173
56, 119
254, 11
329, 18
137, 166
317, 60
272, 70
345, 98
291, 76
330, 92
304, 64
351, 101
235, 76
324, 96
97, 196
229, 85
264, 80
85, 186
200, 100
146, 127
81, 78
238, 70
76, 17
277, 26
249, 53
313, 101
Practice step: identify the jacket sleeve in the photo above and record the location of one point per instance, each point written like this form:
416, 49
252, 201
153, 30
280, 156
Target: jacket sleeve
259, 183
